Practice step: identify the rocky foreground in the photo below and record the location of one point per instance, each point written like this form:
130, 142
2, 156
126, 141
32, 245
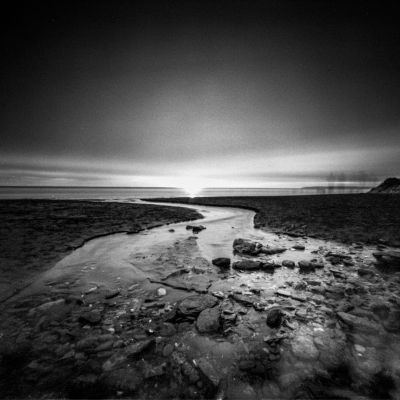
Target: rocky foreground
246, 327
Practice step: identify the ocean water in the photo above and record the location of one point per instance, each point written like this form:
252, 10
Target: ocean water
129, 194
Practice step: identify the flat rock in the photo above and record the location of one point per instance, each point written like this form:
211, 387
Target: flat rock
247, 265
135, 349
193, 305
242, 299
358, 323
268, 250
207, 369
111, 294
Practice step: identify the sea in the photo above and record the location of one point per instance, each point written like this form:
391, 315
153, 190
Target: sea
134, 193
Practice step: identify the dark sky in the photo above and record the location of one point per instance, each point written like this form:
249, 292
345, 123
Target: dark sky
222, 93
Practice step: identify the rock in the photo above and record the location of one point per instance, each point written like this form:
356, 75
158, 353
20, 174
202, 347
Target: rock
135, 349
317, 264
195, 228
208, 320
299, 247
244, 246
168, 349
51, 305
171, 230
193, 305
127, 379
242, 299
272, 250
288, 263
167, 329
392, 324
247, 265
306, 266
390, 258
228, 318
222, 262
210, 373
90, 317
337, 273
269, 266
113, 362
190, 371
359, 349
151, 371
241, 391
111, 294
161, 292
381, 309
337, 258
303, 346
283, 293
365, 272
274, 317
358, 323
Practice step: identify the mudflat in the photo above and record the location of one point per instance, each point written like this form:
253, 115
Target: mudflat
35, 234
347, 218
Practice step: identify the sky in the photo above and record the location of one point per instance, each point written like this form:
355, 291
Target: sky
206, 94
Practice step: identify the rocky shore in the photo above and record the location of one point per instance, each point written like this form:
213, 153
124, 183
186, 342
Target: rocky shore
346, 218
272, 321
35, 234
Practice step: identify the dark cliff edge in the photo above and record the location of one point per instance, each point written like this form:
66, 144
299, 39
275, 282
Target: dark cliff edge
389, 185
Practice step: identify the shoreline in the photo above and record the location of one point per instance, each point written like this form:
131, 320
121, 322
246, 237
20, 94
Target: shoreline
36, 233
346, 218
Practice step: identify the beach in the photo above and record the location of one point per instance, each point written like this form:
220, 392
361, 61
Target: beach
220, 298
346, 218
35, 234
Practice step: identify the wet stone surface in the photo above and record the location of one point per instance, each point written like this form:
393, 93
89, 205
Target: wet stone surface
211, 332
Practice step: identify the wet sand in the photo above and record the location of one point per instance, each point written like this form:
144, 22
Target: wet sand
35, 234
149, 316
347, 218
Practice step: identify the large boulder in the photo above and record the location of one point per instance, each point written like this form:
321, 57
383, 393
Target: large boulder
208, 320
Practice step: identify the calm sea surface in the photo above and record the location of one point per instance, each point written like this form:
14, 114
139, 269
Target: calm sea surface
110, 193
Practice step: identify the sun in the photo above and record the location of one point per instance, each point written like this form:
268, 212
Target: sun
192, 189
